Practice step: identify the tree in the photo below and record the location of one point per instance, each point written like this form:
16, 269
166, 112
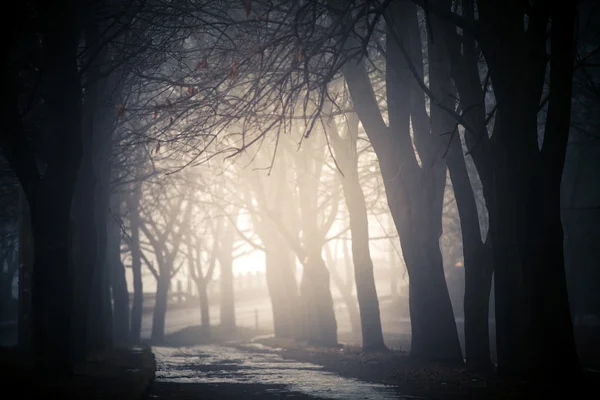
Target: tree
347, 161
414, 188
164, 232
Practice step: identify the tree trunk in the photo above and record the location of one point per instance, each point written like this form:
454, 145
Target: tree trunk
315, 292
227, 301
345, 286
204, 306
50, 200
118, 282
368, 302
353, 315
372, 335
553, 329
136, 268
414, 192
52, 281
160, 310
283, 291
281, 325
476, 255
26, 258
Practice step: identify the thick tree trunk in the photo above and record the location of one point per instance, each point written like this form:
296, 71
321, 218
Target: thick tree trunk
315, 288
160, 310
26, 258
88, 329
50, 201
315, 292
136, 268
553, 329
52, 281
283, 292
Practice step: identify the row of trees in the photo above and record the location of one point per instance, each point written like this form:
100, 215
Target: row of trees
480, 91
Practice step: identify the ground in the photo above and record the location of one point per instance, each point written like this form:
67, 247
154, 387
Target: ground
118, 374
266, 368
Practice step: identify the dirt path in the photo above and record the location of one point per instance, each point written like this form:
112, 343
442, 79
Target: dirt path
231, 372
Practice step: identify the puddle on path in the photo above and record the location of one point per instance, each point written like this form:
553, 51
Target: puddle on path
213, 364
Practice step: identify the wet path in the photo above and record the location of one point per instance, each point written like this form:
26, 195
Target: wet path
223, 372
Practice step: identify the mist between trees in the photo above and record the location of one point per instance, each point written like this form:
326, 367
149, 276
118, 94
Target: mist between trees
434, 144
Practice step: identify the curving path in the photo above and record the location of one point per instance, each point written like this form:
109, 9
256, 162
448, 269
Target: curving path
251, 372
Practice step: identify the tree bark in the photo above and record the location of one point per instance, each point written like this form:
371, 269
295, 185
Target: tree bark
52, 281
283, 291
414, 192
118, 282
368, 302
136, 266
476, 254
227, 300
160, 309
202, 286
525, 216
26, 257
315, 292
553, 328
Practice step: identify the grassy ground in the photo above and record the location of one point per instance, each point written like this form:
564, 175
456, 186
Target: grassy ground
197, 335
116, 374
431, 381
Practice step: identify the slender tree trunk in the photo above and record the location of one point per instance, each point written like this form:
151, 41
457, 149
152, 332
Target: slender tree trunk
136, 268
477, 256
363, 267
204, 306
227, 301
372, 335
353, 312
160, 309
277, 295
345, 286
120, 294
414, 192
287, 267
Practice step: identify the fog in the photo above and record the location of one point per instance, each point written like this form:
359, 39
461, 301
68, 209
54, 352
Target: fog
401, 193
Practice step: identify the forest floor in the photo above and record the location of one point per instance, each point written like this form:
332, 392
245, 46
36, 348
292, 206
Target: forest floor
116, 374
236, 366
431, 380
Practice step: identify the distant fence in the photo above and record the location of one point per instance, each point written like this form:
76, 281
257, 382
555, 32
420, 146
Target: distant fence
184, 292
